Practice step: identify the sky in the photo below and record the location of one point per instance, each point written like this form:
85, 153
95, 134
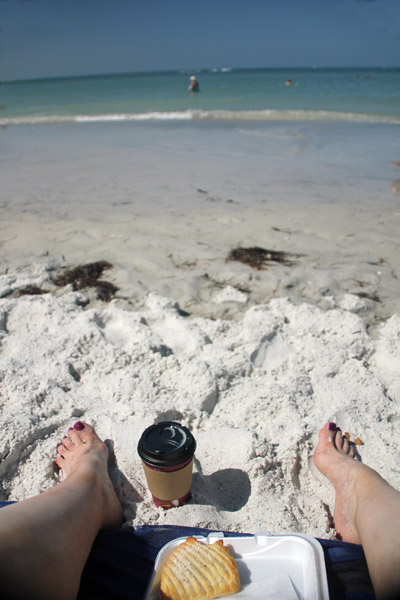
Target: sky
56, 38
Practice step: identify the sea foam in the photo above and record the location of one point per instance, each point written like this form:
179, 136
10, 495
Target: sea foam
209, 115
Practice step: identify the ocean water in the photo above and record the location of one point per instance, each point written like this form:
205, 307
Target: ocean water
95, 145
316, 94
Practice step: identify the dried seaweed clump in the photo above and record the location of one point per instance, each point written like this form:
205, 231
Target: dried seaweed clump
87, 276
29, 290
258, 258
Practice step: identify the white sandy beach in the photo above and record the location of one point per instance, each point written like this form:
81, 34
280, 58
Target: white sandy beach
253, 361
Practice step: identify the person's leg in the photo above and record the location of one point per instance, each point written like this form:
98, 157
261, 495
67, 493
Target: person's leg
367, 509
45, 540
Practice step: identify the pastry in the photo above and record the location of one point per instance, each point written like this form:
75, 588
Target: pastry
199, 571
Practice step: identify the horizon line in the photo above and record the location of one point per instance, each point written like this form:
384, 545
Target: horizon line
195, 70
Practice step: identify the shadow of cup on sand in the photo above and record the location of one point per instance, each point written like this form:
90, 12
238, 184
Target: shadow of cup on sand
128, 495
226, 489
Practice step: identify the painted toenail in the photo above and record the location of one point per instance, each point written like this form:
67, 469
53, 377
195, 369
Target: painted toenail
65, 437
70, 428
79, 426
332, 426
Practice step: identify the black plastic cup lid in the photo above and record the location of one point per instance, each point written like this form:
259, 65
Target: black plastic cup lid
166, 444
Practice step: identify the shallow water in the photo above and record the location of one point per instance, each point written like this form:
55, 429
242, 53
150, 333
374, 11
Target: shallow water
261, 94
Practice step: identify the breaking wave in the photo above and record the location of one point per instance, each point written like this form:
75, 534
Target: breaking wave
208, 115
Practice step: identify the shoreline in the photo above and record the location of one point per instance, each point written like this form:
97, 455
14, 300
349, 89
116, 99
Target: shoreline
167, 203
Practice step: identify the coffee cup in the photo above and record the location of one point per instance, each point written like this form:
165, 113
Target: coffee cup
167, 450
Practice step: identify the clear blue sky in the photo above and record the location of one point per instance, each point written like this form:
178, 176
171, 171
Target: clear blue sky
48, 38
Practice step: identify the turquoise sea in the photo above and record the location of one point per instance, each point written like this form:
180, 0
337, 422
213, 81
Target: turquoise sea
316, 94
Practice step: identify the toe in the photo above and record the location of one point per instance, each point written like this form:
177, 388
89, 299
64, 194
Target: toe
346, 445
59, 462
327, 433
339, 439
67, 442
62, 450
80, 432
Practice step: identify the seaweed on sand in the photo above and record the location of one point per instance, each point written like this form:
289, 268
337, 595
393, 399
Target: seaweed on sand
87, 276
373, 296
259, 258
29, 290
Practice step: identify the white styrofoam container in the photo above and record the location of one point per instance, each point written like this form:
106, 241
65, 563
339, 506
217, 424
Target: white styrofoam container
284, 566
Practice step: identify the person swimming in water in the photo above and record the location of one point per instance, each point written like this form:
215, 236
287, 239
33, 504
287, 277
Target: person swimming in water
193, 85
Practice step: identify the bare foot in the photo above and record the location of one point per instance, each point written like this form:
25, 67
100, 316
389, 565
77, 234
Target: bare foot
82, 455
334, 457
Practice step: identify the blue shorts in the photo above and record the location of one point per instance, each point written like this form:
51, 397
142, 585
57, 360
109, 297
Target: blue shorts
120, 563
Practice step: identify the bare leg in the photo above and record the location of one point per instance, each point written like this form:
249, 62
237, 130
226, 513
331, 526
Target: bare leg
367, 509
45, 540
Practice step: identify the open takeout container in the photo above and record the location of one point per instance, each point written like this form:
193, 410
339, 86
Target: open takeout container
284, 566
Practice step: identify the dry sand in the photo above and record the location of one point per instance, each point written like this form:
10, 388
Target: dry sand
254, 391
253, 361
